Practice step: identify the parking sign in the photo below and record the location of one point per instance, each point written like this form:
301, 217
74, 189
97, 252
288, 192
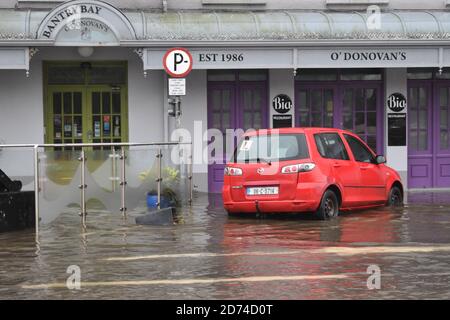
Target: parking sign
177, 62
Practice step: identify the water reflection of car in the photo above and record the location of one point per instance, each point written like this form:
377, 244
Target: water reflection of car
319, 170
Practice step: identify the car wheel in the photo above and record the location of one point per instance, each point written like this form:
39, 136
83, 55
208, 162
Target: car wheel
329, 206
395, 197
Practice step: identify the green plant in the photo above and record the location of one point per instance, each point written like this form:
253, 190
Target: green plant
170, 180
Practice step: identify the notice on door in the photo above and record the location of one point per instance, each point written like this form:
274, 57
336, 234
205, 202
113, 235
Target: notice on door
396, 129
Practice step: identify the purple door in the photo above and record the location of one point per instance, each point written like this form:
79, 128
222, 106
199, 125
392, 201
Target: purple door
441, 136
352, 106
221, 116
315, 105
361, 113
429, 128
233, 105
420, 144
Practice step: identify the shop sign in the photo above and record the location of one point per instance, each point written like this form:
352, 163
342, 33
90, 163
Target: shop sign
396, 129
396, 119
238, 58
282, 103
282, 121
221, 57
286, 58
75, 22
368, 58
396, 102
60, 17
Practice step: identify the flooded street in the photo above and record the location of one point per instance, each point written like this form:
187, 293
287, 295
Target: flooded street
208, 255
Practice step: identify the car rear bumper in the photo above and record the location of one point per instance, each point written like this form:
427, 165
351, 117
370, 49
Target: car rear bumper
272, 206
307, 199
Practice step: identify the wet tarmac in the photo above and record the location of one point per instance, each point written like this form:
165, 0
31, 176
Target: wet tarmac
206, 254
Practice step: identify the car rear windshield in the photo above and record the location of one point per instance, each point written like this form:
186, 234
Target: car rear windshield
265, 148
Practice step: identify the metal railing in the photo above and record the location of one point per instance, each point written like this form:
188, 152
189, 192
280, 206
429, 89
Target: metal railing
122, 157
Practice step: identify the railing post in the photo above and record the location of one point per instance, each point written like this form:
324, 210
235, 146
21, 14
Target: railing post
191, 174
36, 189
123, 182
159, 179
83, 187
113, 169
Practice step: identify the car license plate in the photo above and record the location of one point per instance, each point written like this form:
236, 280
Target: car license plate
262, 191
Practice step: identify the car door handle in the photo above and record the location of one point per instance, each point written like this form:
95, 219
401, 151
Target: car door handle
337, 165
364, 167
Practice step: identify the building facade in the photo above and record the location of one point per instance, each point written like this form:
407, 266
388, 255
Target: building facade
92, 71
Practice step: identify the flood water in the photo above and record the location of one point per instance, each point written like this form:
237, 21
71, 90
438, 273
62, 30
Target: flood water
208, 255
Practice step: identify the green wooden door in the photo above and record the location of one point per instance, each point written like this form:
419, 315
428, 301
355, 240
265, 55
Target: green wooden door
65, 123
107, 119
85, 112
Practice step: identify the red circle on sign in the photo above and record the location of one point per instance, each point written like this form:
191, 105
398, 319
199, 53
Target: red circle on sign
181, 75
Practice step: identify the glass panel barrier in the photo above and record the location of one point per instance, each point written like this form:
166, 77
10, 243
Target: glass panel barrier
141, 168
103, 181
175, 174
59, 180
60, 176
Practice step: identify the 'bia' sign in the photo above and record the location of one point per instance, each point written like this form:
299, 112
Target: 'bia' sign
396, 102
282, 103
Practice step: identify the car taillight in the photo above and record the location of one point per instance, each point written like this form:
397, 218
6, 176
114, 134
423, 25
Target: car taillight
302, 167
230, 171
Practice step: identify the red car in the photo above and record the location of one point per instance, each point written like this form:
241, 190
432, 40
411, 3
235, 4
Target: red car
318, 170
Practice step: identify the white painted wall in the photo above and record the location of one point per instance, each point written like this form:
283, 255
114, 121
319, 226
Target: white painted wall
21, 119
21, 103
397, 157
194, 112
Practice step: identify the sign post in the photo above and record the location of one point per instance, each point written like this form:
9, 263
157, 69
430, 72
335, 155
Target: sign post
177, 63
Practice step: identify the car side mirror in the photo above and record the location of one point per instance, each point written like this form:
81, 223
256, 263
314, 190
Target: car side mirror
380, 159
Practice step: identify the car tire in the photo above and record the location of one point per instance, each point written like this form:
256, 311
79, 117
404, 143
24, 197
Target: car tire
395, 198
329, 206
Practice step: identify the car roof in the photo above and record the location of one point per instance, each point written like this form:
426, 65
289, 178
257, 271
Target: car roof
295, 130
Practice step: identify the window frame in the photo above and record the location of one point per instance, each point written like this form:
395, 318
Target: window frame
300, 137
365, 147
340, 139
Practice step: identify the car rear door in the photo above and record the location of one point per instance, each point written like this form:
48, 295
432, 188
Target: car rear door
372, 175
341, 168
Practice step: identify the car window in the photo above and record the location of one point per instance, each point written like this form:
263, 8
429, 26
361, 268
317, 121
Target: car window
274, 147
331, 146
359, 150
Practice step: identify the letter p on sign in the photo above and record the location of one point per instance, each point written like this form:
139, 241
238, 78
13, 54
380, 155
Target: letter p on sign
177, 62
